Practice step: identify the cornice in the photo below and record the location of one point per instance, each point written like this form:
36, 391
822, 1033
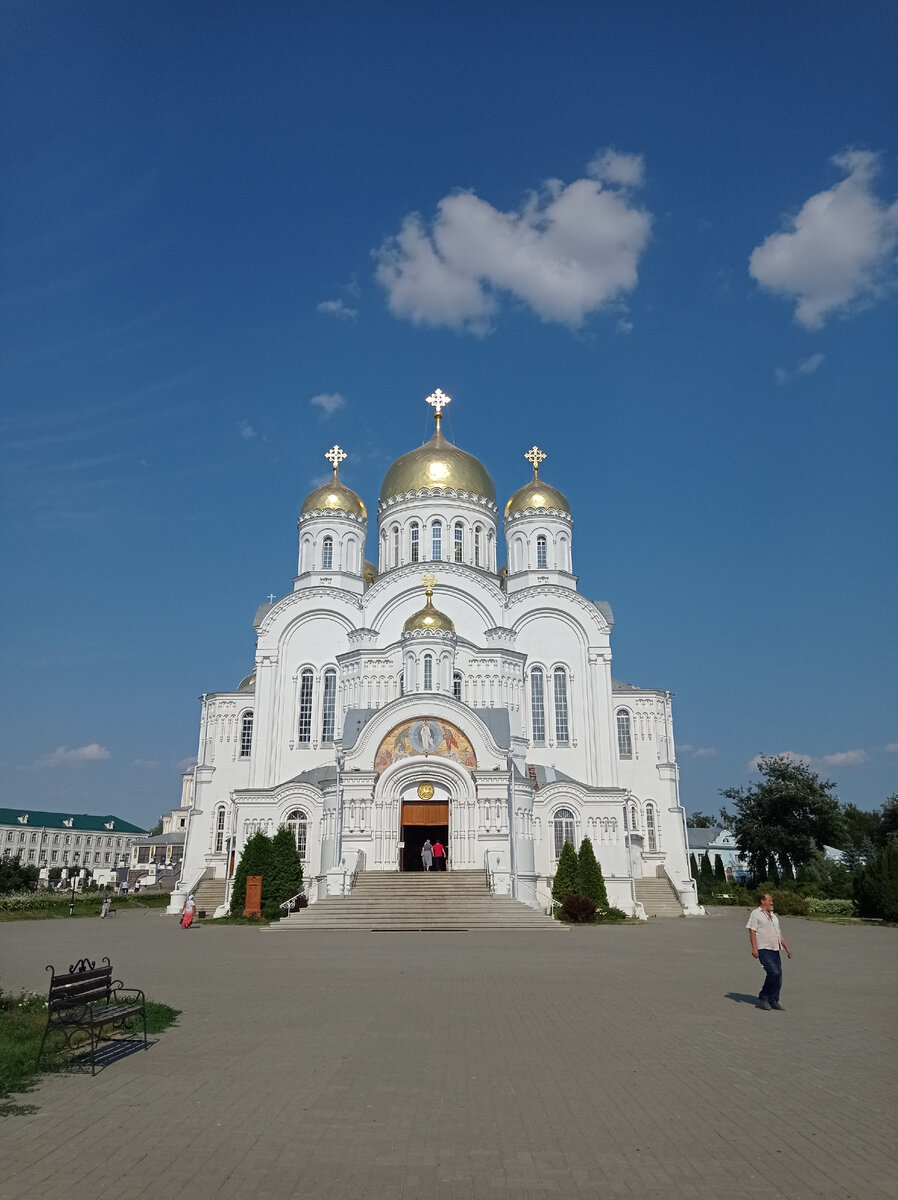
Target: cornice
331, 514
558, 513
573, 598
442, 569
437, 493
300, 597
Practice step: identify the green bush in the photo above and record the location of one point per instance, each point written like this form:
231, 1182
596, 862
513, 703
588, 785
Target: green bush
829, 908
580, 910
788, 904
610, 915
566, 882
254, 860
590, 880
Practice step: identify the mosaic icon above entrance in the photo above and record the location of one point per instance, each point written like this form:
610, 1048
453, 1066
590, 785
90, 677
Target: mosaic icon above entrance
425, 735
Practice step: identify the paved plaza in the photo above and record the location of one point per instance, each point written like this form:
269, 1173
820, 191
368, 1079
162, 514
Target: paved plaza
619, 1062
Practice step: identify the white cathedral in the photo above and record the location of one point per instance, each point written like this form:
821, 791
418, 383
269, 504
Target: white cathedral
438, 695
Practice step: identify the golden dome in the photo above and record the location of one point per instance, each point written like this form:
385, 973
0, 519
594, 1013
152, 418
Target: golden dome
429, 619
334, 496
536, 494
438, 464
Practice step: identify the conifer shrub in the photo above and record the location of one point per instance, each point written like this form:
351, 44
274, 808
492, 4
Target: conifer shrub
693, 869
580, 910
707, 870
889, 873
284, 874
566, 881
719, 871
255, 860
590, 880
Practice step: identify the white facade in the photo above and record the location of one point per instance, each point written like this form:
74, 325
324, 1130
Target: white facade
488, 716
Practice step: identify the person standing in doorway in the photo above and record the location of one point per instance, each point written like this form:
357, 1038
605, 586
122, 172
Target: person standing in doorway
427, 855
766, 941
439, 856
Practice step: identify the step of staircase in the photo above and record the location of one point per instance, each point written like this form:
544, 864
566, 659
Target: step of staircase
209, 895
658, 898
435, 901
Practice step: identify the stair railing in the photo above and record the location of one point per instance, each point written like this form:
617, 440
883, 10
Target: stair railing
488, 872
293, 904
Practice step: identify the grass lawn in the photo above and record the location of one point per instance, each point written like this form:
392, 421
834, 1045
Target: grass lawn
50, 906
23, 1019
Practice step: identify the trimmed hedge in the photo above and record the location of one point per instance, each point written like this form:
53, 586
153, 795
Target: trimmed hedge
830, 908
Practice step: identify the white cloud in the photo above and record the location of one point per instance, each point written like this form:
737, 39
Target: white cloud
705, 752
72, 756
848, 758
246, 431
838, 252
625, 170
808, 367
892, 748
328, 402
186, 764
336, 308
622, 325
566, 252
146, 764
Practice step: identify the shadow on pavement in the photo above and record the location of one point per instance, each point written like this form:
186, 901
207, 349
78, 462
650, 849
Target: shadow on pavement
742, 998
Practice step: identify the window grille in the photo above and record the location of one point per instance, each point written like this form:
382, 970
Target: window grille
456, 685
624, 741
436, 531
329, 705
561, 714
537, 705
563, 826
541, 555
428, 672
246, 735
459, 542
298, 822
219, 830
395, 545
327, 554
415, 531
304, 736
650, 831
477, 536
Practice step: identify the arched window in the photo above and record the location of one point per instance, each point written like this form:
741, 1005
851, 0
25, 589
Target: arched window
459, 541
624, 741
402, 683
327, 554
304, 735
298, 824
634, 819
542, 559
415, 537
246, 734
489, 551
436, 531
219, 830
478, 534
537, 705
563, 825
383, 551
428, 672
328, 705
456, 685
395, 545
651, 832
561, 721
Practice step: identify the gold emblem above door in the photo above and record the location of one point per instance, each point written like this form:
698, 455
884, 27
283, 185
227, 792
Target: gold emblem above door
425, 791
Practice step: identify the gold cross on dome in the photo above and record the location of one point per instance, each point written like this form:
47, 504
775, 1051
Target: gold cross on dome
429, 582
335, 456
438, 401
535, 456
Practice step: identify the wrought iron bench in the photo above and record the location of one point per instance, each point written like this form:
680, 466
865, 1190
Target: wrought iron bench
88, 999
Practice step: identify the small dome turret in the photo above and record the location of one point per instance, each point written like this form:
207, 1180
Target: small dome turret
334, 496
429, 619
536, 494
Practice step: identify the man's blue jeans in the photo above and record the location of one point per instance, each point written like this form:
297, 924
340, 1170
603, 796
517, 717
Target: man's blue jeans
770, 961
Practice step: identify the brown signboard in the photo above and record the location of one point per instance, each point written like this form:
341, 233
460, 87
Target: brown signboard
253, 896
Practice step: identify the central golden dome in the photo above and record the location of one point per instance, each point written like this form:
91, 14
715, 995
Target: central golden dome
438, 464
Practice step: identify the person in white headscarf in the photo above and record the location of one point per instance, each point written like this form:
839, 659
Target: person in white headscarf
188, 911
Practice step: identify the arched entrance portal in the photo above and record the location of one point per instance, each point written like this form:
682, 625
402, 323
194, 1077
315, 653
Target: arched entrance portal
424, 814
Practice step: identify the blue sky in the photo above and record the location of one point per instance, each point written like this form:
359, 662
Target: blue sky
658, 240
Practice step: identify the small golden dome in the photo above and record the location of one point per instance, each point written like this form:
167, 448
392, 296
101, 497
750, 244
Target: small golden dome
536, 494
334, 496
429, 619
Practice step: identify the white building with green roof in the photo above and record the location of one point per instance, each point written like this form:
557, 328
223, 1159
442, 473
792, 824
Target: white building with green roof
70, 841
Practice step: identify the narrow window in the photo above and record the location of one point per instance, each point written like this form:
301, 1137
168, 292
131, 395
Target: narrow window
561, 721
402, 683
624, 741
395, 545
328, 705
537, 705
246, 735
305, 707
428, 672
219, 831
437, 534
541, 557
650, 833
489, 552
416, 549
456, 685
563, 825
478, 533
298, 823
327, 554
459, 535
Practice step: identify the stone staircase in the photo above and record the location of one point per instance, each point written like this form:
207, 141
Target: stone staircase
383, 901
209, 895
658, 897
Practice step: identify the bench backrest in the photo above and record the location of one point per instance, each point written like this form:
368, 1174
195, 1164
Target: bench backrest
84, 983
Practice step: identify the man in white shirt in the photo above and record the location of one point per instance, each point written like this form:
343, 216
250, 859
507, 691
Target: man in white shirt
766, 939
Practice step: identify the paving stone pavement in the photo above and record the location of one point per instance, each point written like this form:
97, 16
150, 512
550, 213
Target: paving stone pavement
621, 1062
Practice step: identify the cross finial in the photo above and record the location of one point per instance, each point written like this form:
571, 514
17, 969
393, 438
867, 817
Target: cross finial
438, 400
271, 597
335, 456
429, 582
535, 456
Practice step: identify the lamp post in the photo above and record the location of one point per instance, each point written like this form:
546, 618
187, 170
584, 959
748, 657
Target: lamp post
75, 856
